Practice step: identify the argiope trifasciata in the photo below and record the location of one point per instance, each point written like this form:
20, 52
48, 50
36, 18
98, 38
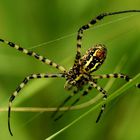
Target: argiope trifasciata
81, 72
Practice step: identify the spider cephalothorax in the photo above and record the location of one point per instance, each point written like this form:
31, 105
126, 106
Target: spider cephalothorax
79, 75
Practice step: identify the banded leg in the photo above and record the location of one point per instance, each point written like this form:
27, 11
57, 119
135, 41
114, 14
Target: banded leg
102, 91
91, 23
64, 102
35, 55
78, 99
25, 81
115, 75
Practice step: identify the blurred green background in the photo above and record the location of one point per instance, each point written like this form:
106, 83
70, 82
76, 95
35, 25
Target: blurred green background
31, 23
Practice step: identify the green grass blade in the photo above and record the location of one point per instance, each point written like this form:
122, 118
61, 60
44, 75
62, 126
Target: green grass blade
118, 92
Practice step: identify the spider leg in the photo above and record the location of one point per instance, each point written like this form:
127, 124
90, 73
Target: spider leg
91, 23
21, 86
92, 85
104, 93
84, 93
115, 75
35, 55
64, 102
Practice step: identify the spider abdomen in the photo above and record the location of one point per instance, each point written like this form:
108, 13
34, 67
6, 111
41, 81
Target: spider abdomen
93, 58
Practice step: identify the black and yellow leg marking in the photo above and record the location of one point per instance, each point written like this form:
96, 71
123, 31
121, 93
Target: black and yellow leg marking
21, 86
115, 75
81, 72
92, 85
104, 93
91, 23
35, 55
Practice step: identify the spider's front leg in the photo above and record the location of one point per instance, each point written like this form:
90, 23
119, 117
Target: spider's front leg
25, 81
34, 54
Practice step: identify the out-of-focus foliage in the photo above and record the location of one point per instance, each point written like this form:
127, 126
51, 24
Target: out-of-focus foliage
31, 23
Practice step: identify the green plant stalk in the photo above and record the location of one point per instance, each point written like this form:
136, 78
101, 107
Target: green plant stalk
114, 95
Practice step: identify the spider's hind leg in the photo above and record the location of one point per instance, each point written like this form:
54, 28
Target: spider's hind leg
104, 93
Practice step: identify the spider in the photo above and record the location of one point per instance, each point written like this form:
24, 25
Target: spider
81, 72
